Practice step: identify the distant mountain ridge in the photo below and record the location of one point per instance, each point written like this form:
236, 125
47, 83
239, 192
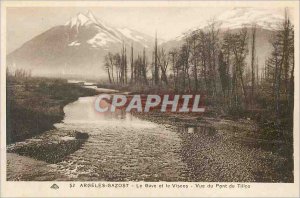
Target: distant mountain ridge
233, 20
78, 47
237, 18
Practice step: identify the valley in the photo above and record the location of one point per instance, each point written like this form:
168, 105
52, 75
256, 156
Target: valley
241, 64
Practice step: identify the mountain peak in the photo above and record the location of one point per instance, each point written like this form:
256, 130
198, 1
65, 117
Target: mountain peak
79, 19
92, 17
238, 17
82, 18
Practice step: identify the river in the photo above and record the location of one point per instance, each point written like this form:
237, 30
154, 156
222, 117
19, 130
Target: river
158, 147
122, 147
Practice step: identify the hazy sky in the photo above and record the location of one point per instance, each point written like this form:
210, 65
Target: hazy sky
25, 23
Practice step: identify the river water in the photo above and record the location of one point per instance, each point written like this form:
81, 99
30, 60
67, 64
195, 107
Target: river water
120, 146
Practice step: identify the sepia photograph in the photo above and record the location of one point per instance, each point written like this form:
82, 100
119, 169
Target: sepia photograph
152, 93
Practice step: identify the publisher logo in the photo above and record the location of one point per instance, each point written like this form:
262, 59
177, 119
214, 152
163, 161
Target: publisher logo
55, 186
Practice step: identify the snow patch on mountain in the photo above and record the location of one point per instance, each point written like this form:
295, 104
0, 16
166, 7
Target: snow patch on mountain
246, 17
133, 35
105, 34
92, 17
102, 39
239, 17
128, 33
74, 43
242, 17
78, 20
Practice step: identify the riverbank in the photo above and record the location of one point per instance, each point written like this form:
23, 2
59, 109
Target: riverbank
31, 160
255, 127
22, 168
33, 105
257, 159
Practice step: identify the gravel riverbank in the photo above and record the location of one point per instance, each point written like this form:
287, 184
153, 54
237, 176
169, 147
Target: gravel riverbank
218, 149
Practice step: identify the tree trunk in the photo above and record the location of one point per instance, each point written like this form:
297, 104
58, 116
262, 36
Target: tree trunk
252, 64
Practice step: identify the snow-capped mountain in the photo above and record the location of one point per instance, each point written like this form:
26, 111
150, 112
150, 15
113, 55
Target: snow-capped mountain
237, 18
266, 21
105, 34
246, 17
77, 47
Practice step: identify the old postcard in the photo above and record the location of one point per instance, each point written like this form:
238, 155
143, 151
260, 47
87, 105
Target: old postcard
149, 99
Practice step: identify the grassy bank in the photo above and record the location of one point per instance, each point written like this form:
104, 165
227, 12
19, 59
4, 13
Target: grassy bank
33, 105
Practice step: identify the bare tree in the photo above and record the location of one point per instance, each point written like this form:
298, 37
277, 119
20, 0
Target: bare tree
253, 62
163, 62
174, 53
156, 67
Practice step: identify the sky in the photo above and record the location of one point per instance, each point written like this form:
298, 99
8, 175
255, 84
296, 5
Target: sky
25, 23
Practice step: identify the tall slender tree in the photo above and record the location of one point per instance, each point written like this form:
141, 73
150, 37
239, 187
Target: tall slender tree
131, 65
253, 62
156, 68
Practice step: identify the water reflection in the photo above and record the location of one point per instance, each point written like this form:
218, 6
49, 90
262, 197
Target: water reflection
207, 130
121, 147
83, 112
101, 90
